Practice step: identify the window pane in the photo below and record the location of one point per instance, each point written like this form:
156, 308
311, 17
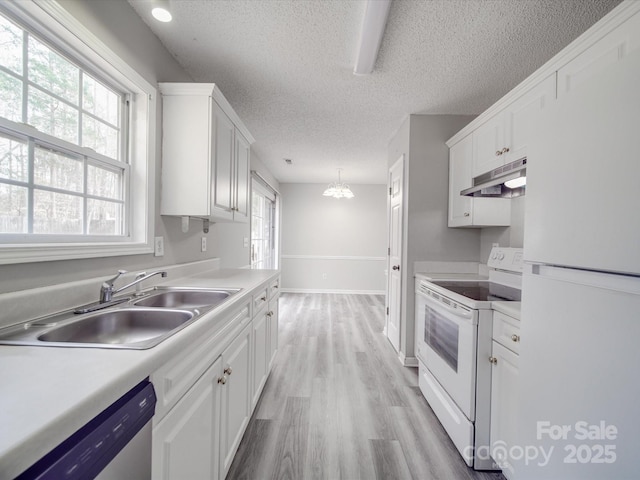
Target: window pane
105, 218
52, 72
10, 46
104, 183
52, 116
14, 159
13, 209
99, 100
11, 94
99, 136
53, 169
56, 213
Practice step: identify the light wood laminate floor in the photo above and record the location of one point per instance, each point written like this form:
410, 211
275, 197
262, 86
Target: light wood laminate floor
339, 405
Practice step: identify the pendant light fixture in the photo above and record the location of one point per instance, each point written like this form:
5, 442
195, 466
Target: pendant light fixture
338, 189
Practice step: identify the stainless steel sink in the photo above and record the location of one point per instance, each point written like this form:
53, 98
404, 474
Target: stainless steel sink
128, 323
119, 327
173, 297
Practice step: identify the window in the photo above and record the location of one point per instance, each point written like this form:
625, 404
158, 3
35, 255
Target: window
76, 133
263, 227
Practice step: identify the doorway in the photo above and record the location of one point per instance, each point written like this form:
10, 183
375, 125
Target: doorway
264, 225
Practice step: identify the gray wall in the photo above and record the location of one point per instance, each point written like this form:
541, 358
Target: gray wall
421, 138
317, 229
119, 27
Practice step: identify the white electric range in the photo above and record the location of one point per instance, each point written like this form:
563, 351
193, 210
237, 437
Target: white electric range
453, 331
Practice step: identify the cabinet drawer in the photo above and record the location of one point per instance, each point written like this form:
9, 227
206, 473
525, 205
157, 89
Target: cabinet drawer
260, 300
274, 288
506, 331
172, 380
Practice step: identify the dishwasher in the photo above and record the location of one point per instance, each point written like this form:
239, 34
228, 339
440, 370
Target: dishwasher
115, 445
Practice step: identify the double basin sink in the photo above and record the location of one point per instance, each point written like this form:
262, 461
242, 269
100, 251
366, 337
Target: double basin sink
134, 322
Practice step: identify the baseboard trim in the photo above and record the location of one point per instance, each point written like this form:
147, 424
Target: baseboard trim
345, 292
407, 361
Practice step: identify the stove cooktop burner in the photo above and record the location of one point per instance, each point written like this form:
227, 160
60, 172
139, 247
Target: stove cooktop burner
482, 291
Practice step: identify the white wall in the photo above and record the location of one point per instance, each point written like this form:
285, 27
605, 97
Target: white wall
512, 236
333, 245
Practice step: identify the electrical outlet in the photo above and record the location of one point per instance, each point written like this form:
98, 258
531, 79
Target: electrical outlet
158, 248
203, 244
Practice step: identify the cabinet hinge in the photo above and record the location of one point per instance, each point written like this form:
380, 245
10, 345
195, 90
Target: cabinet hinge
389, 251
390, 191
387, 310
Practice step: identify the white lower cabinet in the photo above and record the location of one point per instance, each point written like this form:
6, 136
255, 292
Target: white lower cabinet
260, 350
235, 409
206, 396
272, 327
504, 391
185, 441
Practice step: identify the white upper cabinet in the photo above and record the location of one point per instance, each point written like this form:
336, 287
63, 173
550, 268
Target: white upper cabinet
468, 211
611, 48
504, 137
205, 154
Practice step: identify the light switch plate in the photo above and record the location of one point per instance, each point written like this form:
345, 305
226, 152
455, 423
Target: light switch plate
158, 249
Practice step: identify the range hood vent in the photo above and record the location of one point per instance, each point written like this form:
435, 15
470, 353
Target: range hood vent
492, 184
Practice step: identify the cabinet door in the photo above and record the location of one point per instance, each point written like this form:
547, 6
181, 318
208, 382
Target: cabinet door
504, 405
185, 442
488, 140
223, 152
460, 177
523, 115
260, 355
600, 56
273, 330
236, 397
242, 166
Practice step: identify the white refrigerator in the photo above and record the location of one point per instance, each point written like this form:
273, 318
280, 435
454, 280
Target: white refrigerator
579, 384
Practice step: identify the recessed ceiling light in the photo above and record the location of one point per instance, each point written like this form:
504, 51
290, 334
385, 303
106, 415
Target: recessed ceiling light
160, 11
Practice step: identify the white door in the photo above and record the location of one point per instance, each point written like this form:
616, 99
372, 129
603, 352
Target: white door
184, 443
394, 275
236, 397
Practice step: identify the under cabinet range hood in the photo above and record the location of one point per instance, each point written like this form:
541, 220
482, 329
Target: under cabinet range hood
507, 181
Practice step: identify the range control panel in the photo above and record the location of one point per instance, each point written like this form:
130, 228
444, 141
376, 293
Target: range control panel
505, 258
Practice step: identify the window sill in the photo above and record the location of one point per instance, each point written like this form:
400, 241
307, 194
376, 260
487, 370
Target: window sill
49, 252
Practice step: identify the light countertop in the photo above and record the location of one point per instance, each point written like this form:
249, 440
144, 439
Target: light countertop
512, 309
50, 392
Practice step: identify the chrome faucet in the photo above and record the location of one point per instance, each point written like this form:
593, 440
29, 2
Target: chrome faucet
107, 290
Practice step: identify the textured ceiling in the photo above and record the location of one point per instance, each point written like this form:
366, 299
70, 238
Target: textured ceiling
286, 67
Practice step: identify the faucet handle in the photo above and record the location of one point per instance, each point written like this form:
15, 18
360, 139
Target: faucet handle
110, 282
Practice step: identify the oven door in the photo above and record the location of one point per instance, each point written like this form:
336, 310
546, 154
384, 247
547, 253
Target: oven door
447, 346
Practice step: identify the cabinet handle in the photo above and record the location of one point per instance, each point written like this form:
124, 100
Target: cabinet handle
505, 150
498, 153
228, 371
493, 360
466, 214
515, 338
264, 299
269, 314
275, 286
396, 267
222, 380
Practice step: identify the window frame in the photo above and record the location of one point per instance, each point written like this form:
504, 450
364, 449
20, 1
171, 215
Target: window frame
57, 27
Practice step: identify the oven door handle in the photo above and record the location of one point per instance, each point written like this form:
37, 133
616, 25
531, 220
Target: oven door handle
457, 312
